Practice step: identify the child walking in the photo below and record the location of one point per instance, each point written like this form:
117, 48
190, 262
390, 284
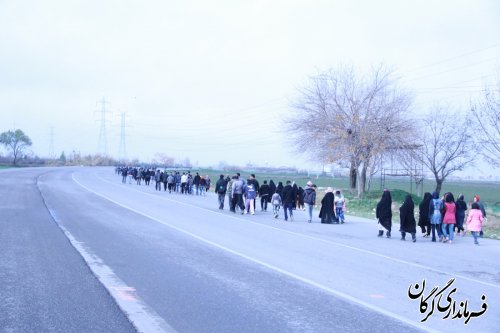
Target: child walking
276, 201
339, 206
475, 221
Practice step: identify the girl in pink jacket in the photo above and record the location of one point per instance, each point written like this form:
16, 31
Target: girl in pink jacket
475, 221
449, 219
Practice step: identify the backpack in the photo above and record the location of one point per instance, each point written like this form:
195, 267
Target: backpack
222, 188
308, 197
276, 200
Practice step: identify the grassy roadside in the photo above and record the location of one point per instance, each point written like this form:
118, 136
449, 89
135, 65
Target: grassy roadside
366, 208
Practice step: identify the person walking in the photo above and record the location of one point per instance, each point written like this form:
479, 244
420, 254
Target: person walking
383, 214
220, 189
147, 178
250, 195
165, 180
309, 200
424, 221
407, 219
124, 175
483, 211
279, 190
256, 187
208, 182
327, 213
189, 183
288, 200
158, 180
184, 182
276, 202
435, 207
229, 191
272, 187
202, 186
461, 207
171, 182
475, 221
265, 196
300, 199
449, 219
196, 182
237, 194
295, 194
339, 206
177, 179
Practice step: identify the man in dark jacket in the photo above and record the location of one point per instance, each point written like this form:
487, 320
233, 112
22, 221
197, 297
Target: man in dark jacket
237, 194
265, 195
196, 182
287, 198
220, 189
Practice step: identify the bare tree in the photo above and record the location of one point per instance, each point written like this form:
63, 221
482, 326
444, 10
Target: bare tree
16, 141
341, 115
486, 121
447, 144
163, 159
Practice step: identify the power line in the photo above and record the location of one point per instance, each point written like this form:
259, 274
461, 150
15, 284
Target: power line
122, 149
103, 141
453, 69
453, 58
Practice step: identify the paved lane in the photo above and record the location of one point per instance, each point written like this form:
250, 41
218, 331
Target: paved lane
45, 284
192, 268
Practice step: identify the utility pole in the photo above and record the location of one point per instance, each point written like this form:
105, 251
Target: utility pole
122, 150
51, 145
102, 147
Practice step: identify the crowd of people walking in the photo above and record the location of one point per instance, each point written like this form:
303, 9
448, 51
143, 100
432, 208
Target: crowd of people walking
244, 194
441, 217
172, 181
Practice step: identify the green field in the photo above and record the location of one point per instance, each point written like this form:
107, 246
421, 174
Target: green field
488, 191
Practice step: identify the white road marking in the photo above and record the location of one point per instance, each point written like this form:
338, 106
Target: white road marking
262, 263
142, 317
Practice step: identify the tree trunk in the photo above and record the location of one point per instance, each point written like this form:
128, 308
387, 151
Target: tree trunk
439, 184
353, 175
362, 181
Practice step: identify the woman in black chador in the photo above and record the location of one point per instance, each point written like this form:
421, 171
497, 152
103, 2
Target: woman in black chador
424, 221
272, 188
384, 214
460, 207
407, 218
326, 213
279, 189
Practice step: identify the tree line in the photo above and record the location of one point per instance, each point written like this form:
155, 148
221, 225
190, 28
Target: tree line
351, 118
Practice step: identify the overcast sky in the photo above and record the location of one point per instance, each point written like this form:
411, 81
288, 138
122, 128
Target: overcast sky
211, 80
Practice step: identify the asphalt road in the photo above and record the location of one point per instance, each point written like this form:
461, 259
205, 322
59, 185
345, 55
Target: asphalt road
82, 252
